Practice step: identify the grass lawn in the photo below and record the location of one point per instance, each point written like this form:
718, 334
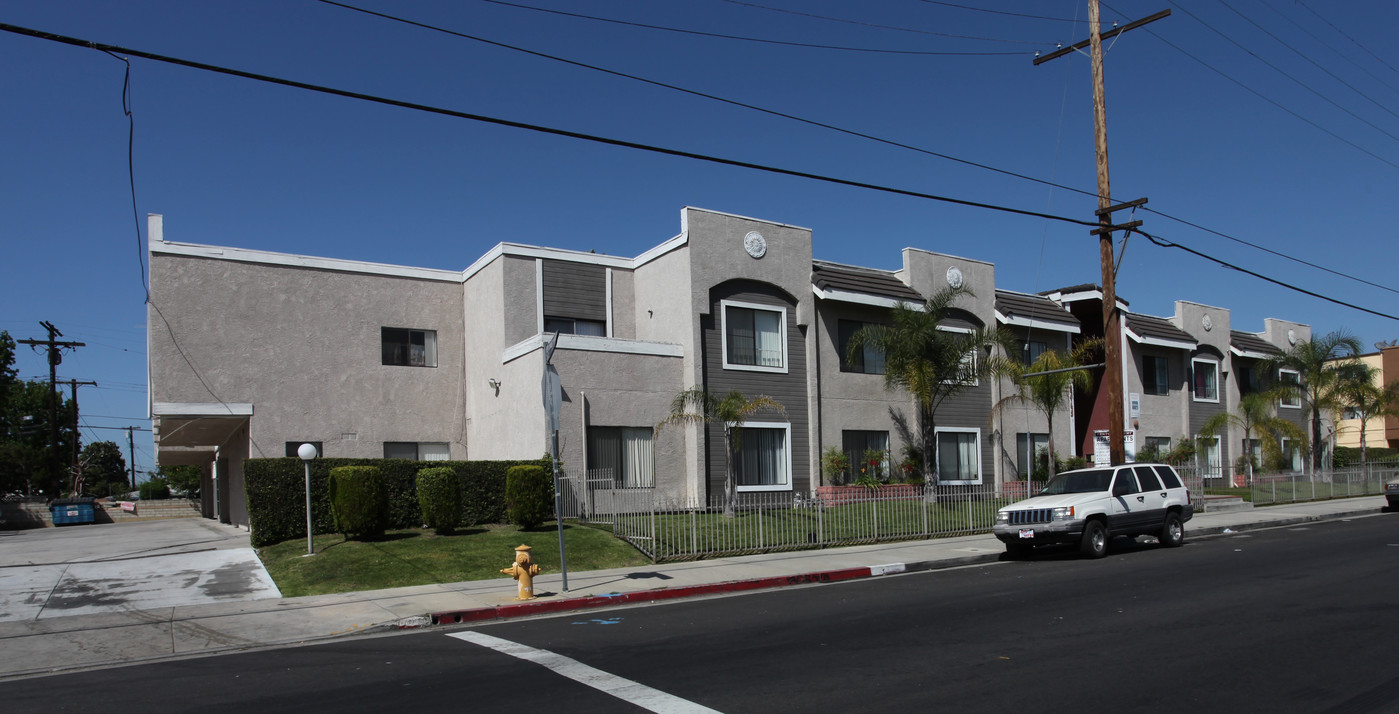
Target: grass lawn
419, 557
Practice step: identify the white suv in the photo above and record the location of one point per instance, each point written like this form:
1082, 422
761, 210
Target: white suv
1090, 506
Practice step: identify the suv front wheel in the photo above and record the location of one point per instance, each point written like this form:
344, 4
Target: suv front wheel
1095, 540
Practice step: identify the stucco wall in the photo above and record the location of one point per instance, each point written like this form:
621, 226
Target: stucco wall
303, 347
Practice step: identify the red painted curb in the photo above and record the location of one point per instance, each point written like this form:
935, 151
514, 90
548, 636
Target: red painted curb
540, 607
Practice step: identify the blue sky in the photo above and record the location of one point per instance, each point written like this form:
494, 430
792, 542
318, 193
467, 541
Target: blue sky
1294, 147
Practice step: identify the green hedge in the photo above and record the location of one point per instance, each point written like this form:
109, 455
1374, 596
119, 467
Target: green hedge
439, 498
359, 500
1345, 456
529, 495
277, 495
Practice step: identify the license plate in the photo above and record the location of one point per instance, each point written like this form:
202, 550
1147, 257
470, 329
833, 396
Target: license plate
1027, 532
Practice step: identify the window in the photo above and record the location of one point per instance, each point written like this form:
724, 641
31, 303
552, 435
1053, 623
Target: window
1254, 448
1161, 444
1209, 457
572, 326
1350, 413
1292, 455
625, 452
868, 360
1156, 376
762, 462
1206, 380
959, 455
1146, 476
1027, 451
292, 446
1248, 379
858, 444
417, 451
410, 348
1125, 484
1031, 351
755, 337
1292, 400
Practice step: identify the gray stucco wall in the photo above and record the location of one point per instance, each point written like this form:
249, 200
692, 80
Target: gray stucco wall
303, 346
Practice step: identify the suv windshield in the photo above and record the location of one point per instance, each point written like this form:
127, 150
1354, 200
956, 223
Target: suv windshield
1079, 482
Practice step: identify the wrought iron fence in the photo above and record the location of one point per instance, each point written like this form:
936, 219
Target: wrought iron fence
1337, 483
766, 522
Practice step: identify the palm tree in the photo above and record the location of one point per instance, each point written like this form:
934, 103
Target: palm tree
1359, 393
1255, 415
930, 363
1319, 377
1047, 385
698, 406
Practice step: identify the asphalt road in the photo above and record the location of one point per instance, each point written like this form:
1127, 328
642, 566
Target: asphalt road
1299, 619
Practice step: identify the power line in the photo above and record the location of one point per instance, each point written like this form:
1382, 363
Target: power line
744, 39
1348, 37
529, 127
878, 26
1304, 56
1327, 45
823, 125
615, 142
1279, 70
1002, 12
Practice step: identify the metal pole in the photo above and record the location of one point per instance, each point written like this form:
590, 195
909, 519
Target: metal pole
309, 549
558, 514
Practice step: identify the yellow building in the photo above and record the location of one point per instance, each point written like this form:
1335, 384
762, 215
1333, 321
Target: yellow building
1379, 431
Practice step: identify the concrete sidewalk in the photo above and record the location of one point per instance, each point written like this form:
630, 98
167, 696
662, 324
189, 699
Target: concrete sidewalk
43, 646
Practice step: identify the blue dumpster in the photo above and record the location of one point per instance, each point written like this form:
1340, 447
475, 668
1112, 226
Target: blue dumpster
69, 511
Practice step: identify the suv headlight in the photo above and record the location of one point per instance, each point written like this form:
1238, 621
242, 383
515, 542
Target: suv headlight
1065, 513
1002, 518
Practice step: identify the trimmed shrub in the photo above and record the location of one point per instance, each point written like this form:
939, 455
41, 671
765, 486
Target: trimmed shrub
359, 500
529, 496
154, 490
276, 493
439, 498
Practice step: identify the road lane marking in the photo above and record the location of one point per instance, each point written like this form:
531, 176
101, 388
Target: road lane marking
619, 687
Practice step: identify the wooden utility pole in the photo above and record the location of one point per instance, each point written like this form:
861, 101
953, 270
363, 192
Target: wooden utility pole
1112, 320
55, 357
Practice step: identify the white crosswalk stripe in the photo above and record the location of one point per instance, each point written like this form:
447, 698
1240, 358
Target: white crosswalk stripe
620, 687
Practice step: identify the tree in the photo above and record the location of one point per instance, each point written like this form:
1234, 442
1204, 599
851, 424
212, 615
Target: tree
930, 363
698, 406
1321, 365
185, 478
1255, 415
1047, 387
103, 468
1358, 392
24, 437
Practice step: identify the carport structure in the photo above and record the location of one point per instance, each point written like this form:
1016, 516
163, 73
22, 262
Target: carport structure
214, 437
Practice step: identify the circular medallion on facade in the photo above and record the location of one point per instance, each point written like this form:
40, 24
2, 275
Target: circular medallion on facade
1207, 323
954, 277
1291, 337
755, 244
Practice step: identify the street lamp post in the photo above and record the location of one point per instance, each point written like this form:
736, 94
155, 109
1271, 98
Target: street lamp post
307, 452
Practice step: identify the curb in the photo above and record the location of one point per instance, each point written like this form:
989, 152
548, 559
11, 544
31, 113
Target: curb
528, 609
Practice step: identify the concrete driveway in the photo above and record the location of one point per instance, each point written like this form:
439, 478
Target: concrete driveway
115, 567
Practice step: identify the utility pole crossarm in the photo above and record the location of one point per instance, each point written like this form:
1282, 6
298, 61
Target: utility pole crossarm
1104, 36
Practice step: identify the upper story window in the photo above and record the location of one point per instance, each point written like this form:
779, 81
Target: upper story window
1156, 375
410, 348
867, 360
417, 450
754, 336
1206, 380
573, 326
1292, 400
1031, 350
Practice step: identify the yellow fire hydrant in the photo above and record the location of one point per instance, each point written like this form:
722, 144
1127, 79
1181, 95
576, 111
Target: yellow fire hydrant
523, 570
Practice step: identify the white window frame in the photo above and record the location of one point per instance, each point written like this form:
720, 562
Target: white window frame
1214, 364
1284, 402
724, 306
786, 428
980, 465
1206, 470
